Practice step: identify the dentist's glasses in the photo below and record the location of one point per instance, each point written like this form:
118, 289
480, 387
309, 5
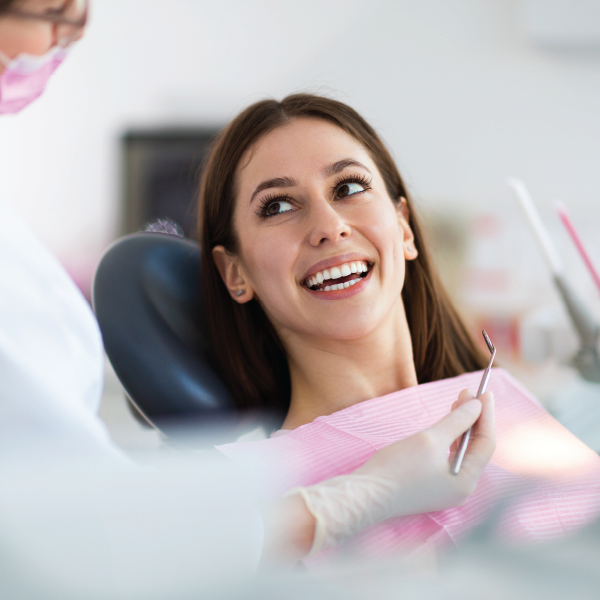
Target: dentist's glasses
68, 21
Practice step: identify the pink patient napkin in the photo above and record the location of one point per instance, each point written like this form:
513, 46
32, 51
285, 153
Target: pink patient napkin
542, 480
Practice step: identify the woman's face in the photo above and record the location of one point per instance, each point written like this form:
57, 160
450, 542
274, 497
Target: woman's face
312, 216
20, 35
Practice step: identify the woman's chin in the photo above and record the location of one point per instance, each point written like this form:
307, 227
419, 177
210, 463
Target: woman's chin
347, 325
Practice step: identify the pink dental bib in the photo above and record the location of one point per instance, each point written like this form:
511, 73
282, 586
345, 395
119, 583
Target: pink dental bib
542, 480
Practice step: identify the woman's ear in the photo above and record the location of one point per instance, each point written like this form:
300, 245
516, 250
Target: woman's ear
410, 251
232, 275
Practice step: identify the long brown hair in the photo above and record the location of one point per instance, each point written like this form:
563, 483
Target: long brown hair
246, 350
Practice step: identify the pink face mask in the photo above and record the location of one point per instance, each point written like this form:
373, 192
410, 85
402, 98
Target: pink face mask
24, 78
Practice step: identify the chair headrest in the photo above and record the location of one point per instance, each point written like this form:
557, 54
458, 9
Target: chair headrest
147, 298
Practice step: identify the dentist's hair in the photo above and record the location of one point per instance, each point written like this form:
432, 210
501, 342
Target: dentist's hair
6, 4
246, 351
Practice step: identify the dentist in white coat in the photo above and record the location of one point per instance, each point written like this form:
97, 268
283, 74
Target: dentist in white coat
51, 365
74, 510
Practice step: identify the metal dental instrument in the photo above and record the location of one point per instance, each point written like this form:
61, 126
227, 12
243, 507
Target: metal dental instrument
464, 442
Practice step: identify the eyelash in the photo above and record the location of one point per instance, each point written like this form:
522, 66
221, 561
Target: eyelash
267, 201
345, 179
357, 178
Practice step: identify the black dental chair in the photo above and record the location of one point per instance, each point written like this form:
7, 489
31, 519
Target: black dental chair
147, 299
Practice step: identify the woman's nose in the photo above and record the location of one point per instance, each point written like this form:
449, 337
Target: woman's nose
327, 224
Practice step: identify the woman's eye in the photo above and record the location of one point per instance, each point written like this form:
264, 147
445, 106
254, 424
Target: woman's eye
276, 208
348, 189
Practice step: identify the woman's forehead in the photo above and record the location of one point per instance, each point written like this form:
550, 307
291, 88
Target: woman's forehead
302, 146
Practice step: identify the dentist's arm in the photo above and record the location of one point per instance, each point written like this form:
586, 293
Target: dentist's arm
408, 477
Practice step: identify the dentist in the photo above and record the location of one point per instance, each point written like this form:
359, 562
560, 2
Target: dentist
51, 357
51, 377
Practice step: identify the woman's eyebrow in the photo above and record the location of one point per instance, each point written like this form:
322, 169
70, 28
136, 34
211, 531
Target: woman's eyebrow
276, 182
283, 182
340, 165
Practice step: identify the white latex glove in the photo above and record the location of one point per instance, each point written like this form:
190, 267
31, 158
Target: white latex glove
408, 477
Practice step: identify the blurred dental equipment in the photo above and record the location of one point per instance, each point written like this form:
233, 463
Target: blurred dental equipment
561, 209
537, 226
464, 442
586, 360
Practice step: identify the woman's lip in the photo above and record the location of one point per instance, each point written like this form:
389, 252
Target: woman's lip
335, 261
345, 293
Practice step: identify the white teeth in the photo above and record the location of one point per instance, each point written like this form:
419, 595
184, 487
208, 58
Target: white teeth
340, 286
337, 272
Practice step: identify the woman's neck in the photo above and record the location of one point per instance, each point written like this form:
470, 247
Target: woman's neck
330, 375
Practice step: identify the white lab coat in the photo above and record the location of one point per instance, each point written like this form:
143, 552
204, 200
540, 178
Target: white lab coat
51, 355
77, 516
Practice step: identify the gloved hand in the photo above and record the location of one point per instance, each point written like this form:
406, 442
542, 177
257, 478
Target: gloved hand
408, 477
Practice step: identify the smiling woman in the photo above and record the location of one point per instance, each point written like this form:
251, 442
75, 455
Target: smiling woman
323, 305
305, 217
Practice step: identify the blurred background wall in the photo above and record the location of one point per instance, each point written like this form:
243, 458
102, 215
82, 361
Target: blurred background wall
465, 92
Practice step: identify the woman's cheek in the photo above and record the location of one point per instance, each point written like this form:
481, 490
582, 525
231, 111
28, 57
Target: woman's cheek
269, 267
385, 230
390, 240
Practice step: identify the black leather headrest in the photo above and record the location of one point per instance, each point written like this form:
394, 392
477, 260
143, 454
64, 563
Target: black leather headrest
147, 299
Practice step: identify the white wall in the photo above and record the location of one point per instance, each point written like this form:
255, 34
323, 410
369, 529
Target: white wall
455, 86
